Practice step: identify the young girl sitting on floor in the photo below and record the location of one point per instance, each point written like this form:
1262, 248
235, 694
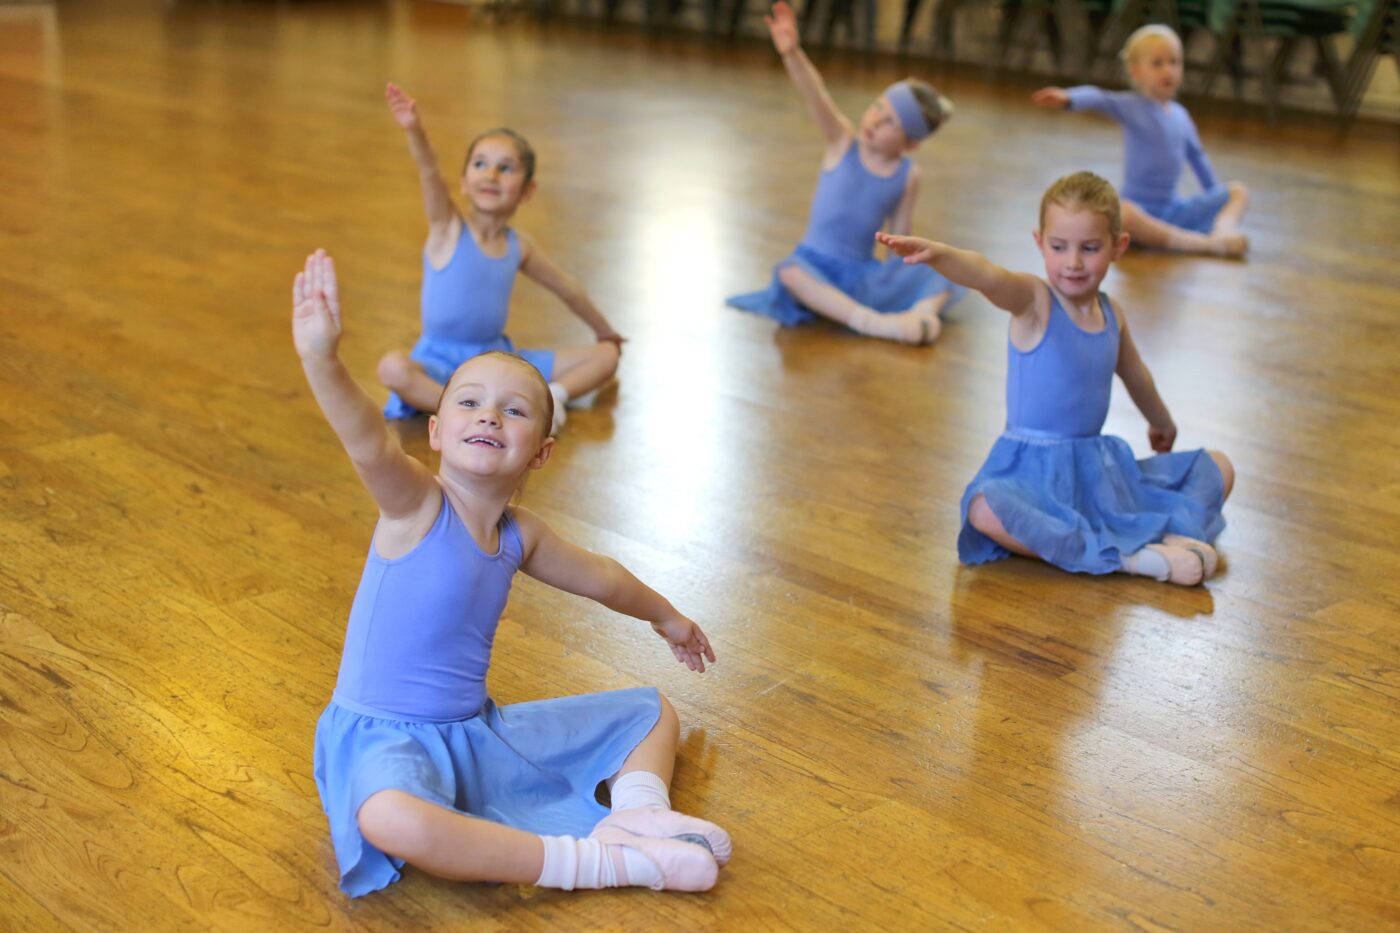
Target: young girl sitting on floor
469, 266
414, 762
1053, 487
867, 178
1158, 136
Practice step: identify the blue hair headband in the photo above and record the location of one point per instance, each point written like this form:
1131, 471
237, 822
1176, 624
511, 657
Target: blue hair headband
906, 107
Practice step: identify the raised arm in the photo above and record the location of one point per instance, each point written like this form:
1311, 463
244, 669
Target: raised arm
550, 559
1015, 292
535, 264
437, 200
400, 485
1161, 430
782, 26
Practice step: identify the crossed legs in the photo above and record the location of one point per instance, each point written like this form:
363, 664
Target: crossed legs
1186, 560
919, 325
1224, 238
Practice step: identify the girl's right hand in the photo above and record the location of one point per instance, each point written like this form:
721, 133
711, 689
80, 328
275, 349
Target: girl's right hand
914, 249
1056, 98
316, 308
403, 107
782, 26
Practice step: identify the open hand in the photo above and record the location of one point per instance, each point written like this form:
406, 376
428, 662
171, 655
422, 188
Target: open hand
1056, 98
403, 107
1161, 439
914, 249
782, 26
688, 643
316, 308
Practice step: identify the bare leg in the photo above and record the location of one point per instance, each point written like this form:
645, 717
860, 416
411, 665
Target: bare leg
1146, 230
981, 517
1230, 216
1227, 470
657, 752
918, 325
583, 369
401, 373
447, 843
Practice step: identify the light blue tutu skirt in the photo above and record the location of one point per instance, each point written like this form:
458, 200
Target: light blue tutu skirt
887, 286
440, 358
1196, 213
1081, 503
535, 766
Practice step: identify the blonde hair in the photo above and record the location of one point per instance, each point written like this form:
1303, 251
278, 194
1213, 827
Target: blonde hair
1085, 191
936, 108
1143, 34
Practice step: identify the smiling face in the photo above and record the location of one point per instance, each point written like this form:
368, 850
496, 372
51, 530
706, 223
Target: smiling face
1154, 64
494, 418
880, 129
1078, 247
495, 179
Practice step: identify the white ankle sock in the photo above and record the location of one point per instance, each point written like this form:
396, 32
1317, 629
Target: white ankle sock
1148, 562
640, 789
588, 864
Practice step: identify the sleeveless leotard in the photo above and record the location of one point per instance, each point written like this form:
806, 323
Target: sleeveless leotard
411, 712
1074, 496
850, 205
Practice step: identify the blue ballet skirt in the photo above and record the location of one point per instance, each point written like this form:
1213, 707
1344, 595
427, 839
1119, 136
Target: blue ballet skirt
440, 358
1081, 503
1195, 213
888, 286
535, 766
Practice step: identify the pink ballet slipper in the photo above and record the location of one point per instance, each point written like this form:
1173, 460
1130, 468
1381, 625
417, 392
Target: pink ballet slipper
668, 824
682, 865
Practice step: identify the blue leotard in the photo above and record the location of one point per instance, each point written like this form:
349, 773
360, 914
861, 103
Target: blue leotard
1074, 496
410, 710
464, 306
850, 205
1158, 139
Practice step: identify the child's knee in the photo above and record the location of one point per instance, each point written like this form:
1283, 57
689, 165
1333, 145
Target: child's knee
789, 275
391, 822
395, 369
1227, 469
981, 516
608, 353
1238, 190
668, 721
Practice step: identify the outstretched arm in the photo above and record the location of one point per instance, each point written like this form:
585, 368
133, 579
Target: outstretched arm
1015, 292
399, 484
1161, 430
537, 265
1053, 98
550, 559
437, 201
782, 26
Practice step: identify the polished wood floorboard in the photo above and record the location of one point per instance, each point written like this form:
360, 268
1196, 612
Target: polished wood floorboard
896, 742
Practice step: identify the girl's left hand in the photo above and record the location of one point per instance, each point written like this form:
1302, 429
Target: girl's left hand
688, 643
613, 337
914, 249
1161, 439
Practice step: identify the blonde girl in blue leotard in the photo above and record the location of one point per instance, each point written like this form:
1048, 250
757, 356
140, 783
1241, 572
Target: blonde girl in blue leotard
413, 761
867, 181
1054, 487
469, 265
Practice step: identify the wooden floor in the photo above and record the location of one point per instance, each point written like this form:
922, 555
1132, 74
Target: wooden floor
896, 742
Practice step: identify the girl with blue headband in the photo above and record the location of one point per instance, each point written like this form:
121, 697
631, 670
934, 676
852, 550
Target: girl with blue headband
470, 261
867, 181
1159, 139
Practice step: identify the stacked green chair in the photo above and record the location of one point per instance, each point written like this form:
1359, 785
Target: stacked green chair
1376, 29
1291, 22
